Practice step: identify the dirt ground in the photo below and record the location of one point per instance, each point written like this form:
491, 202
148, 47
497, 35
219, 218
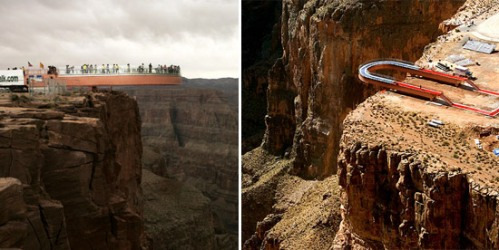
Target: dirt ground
308, 210
401, 121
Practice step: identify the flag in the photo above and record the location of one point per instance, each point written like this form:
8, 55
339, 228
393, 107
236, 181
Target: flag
29, 64
41, 65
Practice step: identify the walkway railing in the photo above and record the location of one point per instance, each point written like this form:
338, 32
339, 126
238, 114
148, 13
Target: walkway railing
122, 70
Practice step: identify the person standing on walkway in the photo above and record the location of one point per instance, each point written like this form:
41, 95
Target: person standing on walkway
150, 68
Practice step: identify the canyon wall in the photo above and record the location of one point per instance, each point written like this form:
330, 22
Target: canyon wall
401, 191
71, 172
314, 85
392, 201
261, 46
190, 137
177, 215
405, 184
311, 90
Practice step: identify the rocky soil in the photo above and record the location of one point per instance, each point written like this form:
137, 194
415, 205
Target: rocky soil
298, 213
314, 86
417, 186
190, 139
398, 194
400, 184
70, 171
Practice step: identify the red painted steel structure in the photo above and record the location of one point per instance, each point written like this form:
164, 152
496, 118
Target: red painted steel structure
119, 80
107, 80
386, 82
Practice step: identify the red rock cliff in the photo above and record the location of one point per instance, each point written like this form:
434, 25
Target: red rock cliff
397, 194
311, 90
74, 171
190, 137
314, 85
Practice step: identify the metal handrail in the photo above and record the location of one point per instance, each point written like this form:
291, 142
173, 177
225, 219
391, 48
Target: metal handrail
364, 69
123, 70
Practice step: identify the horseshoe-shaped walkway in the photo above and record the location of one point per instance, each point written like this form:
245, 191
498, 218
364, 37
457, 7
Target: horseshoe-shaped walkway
366, 75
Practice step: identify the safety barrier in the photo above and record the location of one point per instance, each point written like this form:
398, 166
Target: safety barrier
367, 76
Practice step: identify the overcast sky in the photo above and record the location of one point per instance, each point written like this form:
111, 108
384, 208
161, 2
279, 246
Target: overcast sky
202, 36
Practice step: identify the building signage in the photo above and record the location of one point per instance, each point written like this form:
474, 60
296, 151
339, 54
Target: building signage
11, 77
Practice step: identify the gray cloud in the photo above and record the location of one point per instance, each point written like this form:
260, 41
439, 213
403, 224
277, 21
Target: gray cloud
200, 35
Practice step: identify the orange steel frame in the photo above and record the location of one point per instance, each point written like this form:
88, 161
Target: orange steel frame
426, 92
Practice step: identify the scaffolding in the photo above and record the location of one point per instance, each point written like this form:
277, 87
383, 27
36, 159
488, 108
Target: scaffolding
50, 86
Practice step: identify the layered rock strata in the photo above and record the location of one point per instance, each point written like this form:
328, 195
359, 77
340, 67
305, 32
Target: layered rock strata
314, 86
190, 135
418, 186
261, 46
73, 168
398, 195
177, 215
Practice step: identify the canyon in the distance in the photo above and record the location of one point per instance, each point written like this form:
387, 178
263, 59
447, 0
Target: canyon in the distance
332, 163
131, 168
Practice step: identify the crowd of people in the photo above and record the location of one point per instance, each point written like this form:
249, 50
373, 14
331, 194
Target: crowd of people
117, 69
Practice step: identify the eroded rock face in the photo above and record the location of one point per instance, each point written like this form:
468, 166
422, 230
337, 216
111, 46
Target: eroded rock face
261, 46
178, 216
404, 184
190, 135
392, 201
314, 86
79, 163
13, 228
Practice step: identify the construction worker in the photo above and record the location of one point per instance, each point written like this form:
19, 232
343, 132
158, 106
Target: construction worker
107, 68
117, 69
150, 68
95, 68
103, 68
91, 69
128, 67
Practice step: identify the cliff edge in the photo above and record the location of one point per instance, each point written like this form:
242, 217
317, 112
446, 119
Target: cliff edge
389, 180
406, 184
71, 172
